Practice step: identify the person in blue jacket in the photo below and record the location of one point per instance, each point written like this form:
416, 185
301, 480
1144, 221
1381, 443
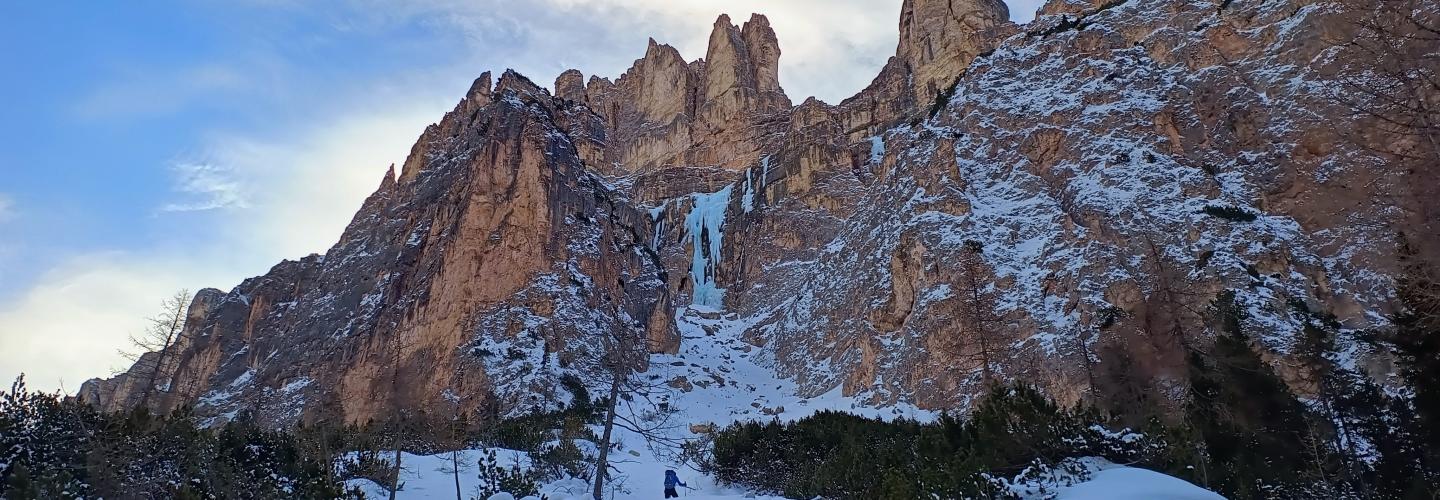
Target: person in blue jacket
670, 481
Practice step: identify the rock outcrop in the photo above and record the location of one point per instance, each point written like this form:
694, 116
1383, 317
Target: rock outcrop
939, 39
1096, 159
717, 111
497, 234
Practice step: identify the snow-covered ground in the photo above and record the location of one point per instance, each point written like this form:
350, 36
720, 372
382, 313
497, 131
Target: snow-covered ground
735, 381
728, 380
641, 477
1128, 483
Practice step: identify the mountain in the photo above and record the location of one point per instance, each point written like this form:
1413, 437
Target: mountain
1096, 178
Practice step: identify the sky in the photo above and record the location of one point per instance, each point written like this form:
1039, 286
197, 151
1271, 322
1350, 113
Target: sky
153, 146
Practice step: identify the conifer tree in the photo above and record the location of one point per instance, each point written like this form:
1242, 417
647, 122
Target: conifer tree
981, 338
1416, 343
151, 350
1252, 427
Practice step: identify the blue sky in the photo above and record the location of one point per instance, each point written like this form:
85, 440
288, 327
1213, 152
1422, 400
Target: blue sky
149, 146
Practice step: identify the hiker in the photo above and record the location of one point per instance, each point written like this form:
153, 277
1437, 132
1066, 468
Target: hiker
670, 481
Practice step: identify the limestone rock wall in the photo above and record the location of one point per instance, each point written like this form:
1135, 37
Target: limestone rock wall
498, 234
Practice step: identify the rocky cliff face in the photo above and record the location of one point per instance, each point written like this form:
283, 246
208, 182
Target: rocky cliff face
498, 232
664, 112
1105, 160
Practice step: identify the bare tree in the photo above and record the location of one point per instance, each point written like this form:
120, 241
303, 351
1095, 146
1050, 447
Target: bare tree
397, 415
150, 350
634, 402
1170, 299
400, 414
1392, 87
459, 428
1083, 341
981, 338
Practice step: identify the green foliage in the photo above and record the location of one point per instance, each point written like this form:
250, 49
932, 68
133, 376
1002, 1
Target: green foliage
1066, 24
1229, 213
942, 98
56, 447
837, 455
532, 432
1108, 316
1239, 430
1076, 24
1253, 435
549, 438
562, 457
495, 478
1415, 342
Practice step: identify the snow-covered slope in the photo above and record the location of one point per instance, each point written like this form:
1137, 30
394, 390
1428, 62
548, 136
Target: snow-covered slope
725, 380
429, 477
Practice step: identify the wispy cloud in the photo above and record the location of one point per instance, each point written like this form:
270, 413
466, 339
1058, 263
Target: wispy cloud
7, 207
144, 91
302, 189
210, 187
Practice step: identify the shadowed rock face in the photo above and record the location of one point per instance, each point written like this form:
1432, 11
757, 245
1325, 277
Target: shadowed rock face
1084, 154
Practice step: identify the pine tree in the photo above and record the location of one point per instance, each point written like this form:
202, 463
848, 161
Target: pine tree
1416, 344
495, 478
1252, 427
1122, 388
981, 338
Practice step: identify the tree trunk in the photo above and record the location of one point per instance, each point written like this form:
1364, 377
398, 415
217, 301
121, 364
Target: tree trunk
400, 425
395, 483
175, 318
455, 469
1089, 367
602, 464
982, 332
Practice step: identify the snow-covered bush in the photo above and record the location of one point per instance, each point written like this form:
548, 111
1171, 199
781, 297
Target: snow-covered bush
496, 479
1014, 430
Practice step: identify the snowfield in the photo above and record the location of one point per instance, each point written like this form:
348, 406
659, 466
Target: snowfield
1129, 483
428, 476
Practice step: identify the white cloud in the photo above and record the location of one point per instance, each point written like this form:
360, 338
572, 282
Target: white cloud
69, 327
7, 207
305, 190
211, 187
